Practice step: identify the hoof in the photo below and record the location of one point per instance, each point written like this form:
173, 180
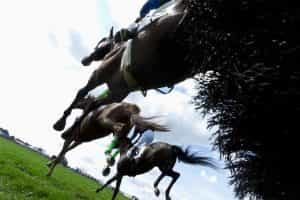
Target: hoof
60, 125
106, 171
86, 61
98, 190
156, 192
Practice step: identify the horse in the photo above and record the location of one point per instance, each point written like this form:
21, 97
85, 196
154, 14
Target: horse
157, 154
148, 69
116, 118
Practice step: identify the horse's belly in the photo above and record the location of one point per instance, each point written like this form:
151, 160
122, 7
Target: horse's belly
90, 130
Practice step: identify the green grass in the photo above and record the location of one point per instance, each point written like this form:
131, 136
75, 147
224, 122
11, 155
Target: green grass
23, 177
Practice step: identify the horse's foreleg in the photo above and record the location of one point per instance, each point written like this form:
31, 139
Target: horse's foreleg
60, 124
60, 156
157, 181
117, 188
75, 144
175, 176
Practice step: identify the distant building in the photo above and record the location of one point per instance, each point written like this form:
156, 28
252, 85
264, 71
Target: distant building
4, 133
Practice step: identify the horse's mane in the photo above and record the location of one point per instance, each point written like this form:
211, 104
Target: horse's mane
114, 50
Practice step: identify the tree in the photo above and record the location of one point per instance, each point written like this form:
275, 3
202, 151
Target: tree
246, 54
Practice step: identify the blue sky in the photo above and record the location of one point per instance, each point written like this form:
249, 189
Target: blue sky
42, 43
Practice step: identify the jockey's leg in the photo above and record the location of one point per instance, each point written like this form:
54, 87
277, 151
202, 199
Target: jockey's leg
117, 151
111, 146
110, 158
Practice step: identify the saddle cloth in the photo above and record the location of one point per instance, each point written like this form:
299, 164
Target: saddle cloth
127, 61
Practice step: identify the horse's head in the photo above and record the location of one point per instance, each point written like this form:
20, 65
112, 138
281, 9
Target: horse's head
107, 42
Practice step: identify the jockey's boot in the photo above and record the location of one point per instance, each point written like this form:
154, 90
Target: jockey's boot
110, 160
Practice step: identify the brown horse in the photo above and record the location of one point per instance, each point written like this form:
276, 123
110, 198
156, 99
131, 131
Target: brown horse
158, 154
118, 118
148, 69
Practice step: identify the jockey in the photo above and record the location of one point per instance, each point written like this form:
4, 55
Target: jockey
145, 138
110, 157
124, 34
131, 31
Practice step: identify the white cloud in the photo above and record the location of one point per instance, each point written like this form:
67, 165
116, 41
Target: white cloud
124, 12
175, 107
209, 178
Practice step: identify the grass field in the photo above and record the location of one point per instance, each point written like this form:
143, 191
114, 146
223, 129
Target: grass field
22, 177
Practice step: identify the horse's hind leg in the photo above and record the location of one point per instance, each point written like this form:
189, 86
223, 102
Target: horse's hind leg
117, 188
175, 176
157, 181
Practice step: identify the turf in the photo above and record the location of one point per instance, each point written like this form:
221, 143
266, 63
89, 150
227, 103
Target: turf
23, 177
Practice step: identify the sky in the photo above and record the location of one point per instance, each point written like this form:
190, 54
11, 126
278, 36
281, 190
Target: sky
41, 45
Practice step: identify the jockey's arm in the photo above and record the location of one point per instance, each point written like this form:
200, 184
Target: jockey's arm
150, 5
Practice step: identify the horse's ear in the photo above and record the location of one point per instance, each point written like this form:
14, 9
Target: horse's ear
111, 34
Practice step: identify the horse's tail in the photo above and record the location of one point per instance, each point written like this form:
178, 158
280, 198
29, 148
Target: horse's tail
187, 156
147, 123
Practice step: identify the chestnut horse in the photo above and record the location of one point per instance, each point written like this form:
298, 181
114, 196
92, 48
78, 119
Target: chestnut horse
116, 118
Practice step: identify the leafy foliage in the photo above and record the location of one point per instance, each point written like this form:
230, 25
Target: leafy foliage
246, 54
